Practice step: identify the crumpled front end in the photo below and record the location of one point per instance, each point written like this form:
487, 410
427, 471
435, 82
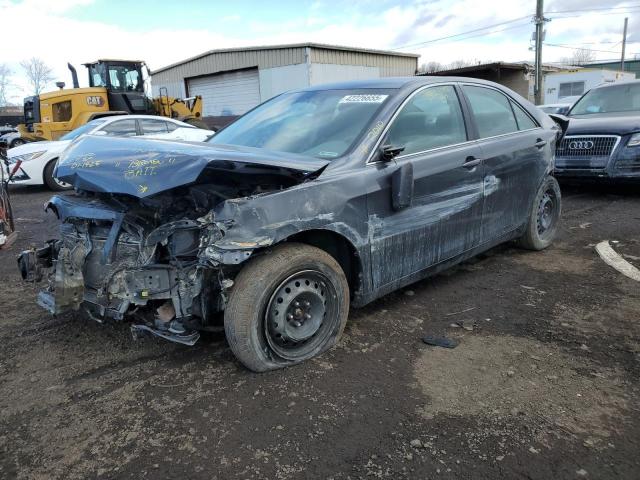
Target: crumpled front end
157, 256
111, 263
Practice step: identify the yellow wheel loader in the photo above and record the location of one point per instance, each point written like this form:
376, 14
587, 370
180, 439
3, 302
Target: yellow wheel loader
116, 87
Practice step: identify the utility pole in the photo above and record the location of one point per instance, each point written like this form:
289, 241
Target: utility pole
539, 21
624, 43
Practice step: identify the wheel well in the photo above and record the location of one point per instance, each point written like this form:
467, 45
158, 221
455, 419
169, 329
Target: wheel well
53, 160
339, 248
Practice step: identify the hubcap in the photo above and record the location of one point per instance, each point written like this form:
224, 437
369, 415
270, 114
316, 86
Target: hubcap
300, 314
60, 183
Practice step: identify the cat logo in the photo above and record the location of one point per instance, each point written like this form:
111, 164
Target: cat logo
95, 100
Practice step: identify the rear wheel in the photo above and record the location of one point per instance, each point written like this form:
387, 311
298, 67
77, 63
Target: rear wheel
286, 306
544, 216
52, 182
17, 142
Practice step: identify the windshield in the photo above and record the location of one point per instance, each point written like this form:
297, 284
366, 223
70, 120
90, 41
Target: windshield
324, 123
619, 98
125, 78
86, 128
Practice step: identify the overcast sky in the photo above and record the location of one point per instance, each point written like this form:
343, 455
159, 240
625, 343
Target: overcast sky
165, 31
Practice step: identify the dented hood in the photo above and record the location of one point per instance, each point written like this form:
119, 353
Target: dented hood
143, 167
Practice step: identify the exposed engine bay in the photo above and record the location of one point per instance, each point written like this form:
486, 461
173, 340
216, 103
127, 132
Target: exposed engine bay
159, 260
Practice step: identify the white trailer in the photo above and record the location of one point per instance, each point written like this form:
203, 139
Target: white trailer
571, 83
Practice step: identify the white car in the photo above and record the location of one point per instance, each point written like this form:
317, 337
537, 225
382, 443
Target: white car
11, 139
560, 108
39, 158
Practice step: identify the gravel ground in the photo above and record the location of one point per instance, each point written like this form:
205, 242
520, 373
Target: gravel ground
544, 383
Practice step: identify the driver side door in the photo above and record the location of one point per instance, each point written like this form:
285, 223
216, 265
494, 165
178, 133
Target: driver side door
444, 217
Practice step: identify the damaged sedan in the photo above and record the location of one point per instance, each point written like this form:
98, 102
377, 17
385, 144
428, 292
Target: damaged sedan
314, 201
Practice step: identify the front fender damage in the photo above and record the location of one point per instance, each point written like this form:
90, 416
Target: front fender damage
167, 263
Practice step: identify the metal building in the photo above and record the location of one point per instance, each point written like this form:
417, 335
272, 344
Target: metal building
575, 82
519, 76
232, 81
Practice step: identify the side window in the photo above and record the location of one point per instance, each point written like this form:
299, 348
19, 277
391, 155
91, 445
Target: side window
524, 120
491, 111
571, 89
153, 127
121, 128
432, 118
61, 111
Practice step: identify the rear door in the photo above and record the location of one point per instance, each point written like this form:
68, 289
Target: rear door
512, 146
444, 218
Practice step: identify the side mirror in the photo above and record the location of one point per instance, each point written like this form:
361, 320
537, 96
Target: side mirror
402, 186
562, 122
100, 132
389, 152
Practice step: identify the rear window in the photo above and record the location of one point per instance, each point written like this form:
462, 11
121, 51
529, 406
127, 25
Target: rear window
491, 111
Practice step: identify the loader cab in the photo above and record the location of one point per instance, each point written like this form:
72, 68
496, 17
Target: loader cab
124, 83
31, 112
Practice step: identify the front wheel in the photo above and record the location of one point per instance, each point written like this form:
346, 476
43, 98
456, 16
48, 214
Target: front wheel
544, 217
17, 142
286, 306
52, 182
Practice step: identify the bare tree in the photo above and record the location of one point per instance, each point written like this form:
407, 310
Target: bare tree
431, 67
38, 73
458, 64
582, 56
5, 83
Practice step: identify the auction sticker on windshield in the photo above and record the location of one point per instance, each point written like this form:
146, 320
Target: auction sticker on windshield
363, 99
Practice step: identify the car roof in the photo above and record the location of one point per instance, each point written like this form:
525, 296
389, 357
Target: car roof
138, 117
615, 84
393, 82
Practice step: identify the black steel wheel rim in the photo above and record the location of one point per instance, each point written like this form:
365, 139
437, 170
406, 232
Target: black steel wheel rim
547, 212
301, 314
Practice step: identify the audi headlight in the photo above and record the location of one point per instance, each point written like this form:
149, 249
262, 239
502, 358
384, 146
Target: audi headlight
634, 141
28, 156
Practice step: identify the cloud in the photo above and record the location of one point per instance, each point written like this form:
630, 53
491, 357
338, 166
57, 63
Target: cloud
57, 37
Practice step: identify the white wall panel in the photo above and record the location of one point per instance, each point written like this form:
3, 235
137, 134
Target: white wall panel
328, 73
274, 81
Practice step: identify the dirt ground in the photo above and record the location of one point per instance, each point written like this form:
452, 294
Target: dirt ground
543, 385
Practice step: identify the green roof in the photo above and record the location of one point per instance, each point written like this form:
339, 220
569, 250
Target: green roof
629, 66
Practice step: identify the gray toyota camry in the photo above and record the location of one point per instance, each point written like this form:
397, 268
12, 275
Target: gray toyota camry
315, 201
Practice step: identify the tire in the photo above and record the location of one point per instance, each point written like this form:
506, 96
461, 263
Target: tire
544, 217
267, 327
49, 179
17, 142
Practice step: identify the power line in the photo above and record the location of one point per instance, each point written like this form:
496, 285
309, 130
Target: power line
603, 14
464, 33
560, 45
506, 22
592, 9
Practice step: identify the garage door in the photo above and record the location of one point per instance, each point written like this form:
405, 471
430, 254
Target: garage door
229, 93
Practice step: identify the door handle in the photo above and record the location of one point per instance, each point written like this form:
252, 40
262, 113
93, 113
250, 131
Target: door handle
540, 143
471, 162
